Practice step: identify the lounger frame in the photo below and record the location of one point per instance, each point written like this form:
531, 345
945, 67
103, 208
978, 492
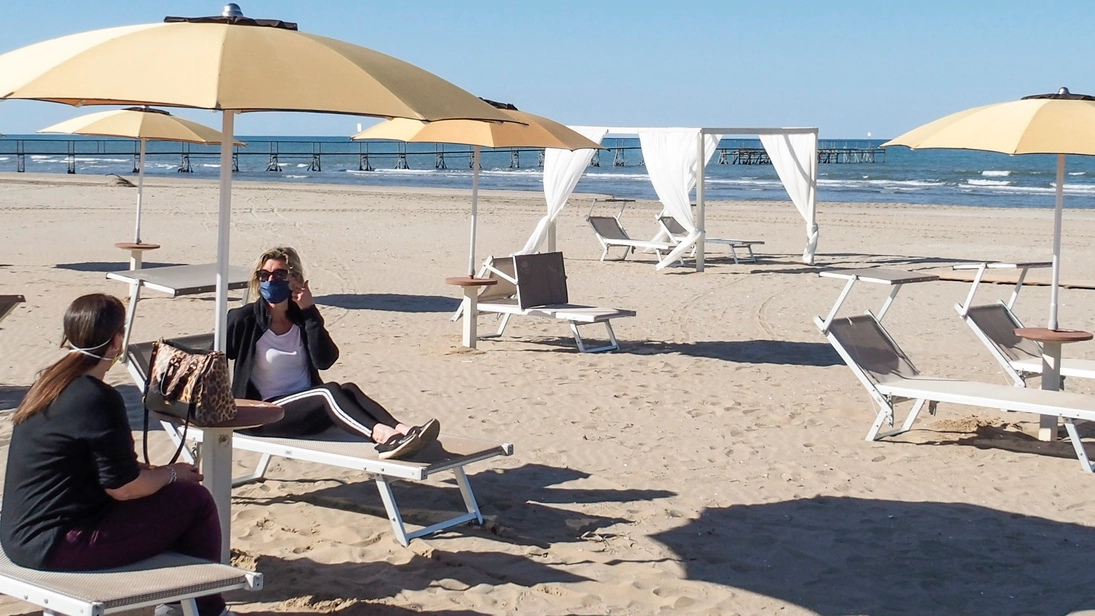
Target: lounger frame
541, 292
611, 234
8, 303
898, 380
677, 233
164, 578
335, 448
1019, 358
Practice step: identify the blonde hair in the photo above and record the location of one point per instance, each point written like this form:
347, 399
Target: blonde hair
278, 253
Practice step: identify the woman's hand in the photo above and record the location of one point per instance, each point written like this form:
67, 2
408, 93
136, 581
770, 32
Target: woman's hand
186, 472
302, 295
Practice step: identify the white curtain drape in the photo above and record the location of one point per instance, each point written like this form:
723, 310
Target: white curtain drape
671, 162
795, 159
562, 170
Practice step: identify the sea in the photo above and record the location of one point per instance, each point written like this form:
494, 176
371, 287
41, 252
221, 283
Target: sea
895, 175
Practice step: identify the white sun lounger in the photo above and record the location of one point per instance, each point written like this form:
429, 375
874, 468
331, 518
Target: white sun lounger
8, 303
336, 448
890, 377
678, 233
995, 325
535, 285
611, 234
165, 578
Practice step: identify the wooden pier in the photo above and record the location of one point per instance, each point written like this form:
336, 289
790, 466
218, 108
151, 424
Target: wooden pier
273, 155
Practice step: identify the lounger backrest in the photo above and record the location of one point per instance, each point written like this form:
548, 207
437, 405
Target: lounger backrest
608, 227
541, 280
8, 303
872, 348
999, 325
139, 355
672, 226
499, 268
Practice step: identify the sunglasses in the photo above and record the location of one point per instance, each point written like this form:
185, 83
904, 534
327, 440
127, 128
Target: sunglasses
280, 275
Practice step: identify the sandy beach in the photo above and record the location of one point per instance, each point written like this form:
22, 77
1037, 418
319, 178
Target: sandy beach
716, 464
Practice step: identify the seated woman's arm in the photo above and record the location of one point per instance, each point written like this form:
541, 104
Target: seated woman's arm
151, 480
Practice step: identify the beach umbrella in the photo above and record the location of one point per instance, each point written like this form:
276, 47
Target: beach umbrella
527, 130
232, 64
143, 123
1060, 123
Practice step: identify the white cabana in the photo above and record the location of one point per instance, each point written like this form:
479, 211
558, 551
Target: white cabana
671, 156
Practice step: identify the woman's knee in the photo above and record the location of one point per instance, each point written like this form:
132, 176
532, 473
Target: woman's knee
192, 495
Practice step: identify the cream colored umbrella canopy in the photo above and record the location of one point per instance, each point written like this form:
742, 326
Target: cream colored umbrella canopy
1060, 123
526, 130
144, 124
234, 64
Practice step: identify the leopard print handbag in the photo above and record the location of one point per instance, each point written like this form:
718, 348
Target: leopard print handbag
193, 386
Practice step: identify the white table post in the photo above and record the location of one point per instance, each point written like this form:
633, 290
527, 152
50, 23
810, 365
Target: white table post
1051, 381
216, 468
470, 287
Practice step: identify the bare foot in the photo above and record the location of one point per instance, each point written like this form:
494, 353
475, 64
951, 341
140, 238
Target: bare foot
382, 433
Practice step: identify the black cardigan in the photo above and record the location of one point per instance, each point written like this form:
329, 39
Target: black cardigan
247, 324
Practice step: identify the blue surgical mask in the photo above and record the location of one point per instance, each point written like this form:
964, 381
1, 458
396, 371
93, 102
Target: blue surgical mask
275, 291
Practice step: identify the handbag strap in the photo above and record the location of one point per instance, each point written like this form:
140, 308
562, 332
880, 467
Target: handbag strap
182, 440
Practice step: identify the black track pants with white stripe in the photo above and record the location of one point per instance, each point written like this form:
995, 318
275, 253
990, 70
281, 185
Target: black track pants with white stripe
314, 410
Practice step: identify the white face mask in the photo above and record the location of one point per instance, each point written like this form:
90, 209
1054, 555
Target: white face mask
88, 351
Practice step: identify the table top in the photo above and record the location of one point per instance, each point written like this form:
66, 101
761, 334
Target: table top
183, 279
997, 265
136, 246
468, 281
1044, 334
879, 275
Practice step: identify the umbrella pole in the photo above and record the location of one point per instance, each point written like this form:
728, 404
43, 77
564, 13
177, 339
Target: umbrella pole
474, 207
1058, 206
140, 191
223, 224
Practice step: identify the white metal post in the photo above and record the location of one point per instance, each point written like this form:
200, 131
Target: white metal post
474, 209
699, 201
1057, 241
140, 192
224, 221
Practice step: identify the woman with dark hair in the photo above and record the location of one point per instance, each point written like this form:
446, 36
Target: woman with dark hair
75, 497
279, 344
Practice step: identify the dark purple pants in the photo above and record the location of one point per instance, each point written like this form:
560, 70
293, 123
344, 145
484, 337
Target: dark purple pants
181, 517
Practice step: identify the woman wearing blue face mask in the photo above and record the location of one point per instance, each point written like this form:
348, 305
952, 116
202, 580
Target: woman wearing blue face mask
279, 345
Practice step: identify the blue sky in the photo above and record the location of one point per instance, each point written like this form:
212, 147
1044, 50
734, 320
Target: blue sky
849, 68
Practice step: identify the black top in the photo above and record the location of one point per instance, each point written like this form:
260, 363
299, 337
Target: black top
60, 462
247, 324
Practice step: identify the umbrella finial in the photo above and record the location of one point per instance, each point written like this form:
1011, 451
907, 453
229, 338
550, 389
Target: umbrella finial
231, 10
1063, 91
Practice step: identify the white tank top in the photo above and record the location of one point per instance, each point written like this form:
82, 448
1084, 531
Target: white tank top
281, 364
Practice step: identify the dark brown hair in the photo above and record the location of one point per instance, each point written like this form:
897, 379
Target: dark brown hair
91, 323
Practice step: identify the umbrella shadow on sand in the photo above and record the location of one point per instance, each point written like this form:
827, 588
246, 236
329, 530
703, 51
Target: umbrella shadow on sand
777, 352
357, 583
519, 505
834, 555
390, 302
